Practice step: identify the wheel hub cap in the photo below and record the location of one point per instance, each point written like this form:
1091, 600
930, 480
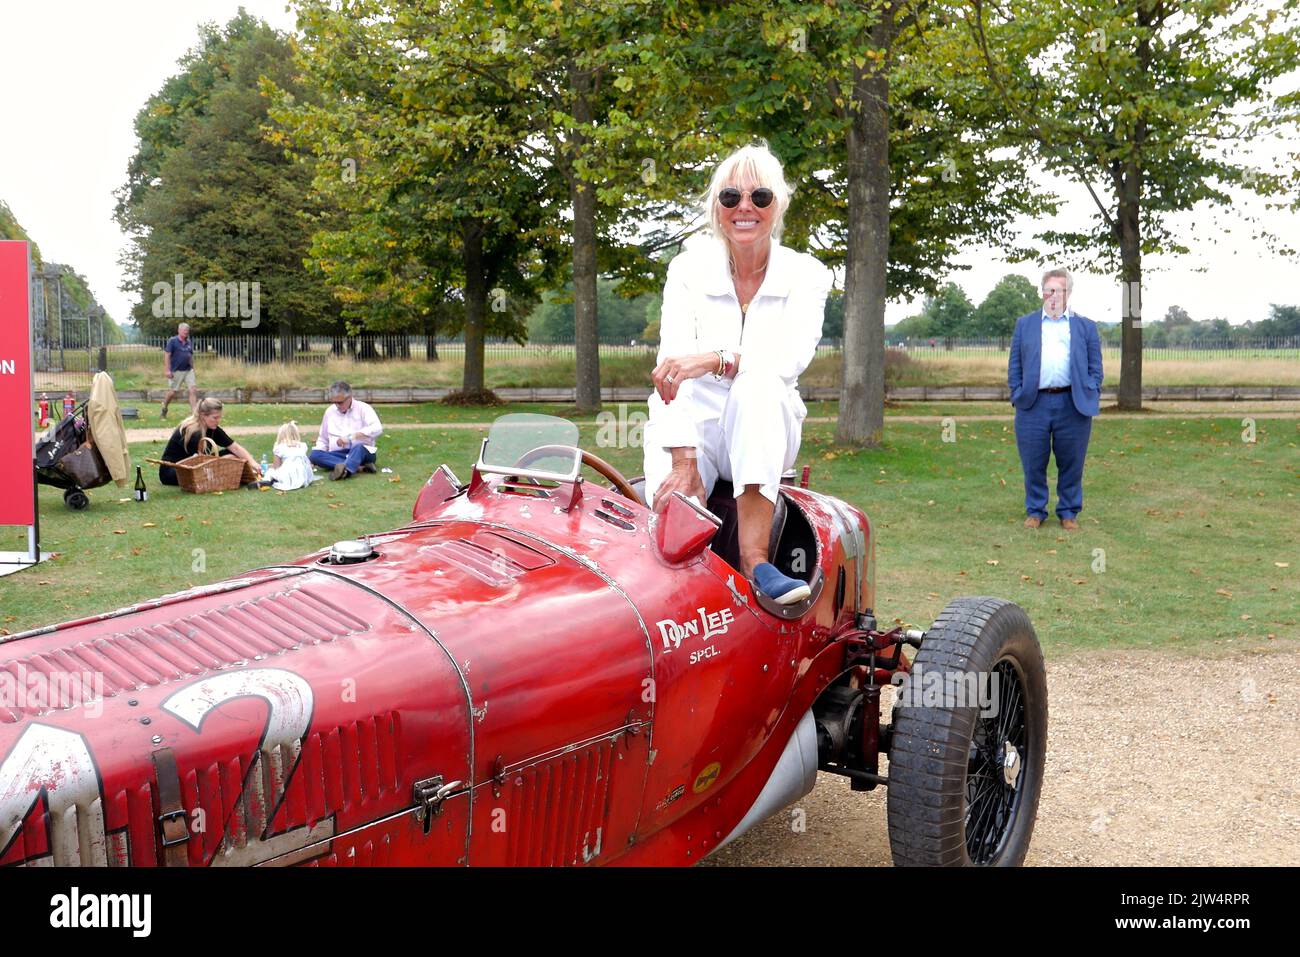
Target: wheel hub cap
1010, 761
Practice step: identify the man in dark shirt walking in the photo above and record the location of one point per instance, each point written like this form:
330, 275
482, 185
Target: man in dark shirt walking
178, 363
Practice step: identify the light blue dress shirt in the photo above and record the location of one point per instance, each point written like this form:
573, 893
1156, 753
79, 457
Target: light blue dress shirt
1054, 371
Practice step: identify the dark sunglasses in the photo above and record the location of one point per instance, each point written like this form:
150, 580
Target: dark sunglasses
761, 197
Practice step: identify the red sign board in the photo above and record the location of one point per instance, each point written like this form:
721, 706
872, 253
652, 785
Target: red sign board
17, 503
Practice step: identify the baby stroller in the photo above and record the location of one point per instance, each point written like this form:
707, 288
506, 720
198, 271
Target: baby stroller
64, 460
67, 456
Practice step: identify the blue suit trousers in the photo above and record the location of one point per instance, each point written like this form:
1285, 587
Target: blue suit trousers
352, 458
1053, 426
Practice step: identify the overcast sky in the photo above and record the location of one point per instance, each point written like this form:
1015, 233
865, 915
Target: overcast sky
75, 73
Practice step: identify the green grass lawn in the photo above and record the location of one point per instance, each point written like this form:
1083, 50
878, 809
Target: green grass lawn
431, 413
309, 416
1189, 534
133, 369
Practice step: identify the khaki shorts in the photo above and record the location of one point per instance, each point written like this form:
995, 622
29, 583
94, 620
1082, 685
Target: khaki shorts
181, 380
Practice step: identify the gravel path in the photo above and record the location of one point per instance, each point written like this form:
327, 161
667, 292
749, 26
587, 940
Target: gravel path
1153, 758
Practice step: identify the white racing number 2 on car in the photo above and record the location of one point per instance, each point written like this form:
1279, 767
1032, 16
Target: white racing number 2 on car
56, 764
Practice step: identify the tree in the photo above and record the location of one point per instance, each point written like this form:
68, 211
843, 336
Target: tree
1282, 321
594, 89
1152, 98
208, 196
1013, 297
948, 312
913, 327
833, 325
446, 221
620, 319
877, 111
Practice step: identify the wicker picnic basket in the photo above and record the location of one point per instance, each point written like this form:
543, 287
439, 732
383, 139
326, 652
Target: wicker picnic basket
205, 472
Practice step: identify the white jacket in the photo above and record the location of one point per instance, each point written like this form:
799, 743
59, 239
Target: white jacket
701, 313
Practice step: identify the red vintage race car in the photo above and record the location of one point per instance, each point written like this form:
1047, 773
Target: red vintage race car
537, 670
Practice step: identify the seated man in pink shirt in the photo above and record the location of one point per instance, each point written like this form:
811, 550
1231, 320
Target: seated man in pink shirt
346, 443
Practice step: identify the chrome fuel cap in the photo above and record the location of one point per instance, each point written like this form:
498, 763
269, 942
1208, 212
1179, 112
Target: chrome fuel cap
351, 551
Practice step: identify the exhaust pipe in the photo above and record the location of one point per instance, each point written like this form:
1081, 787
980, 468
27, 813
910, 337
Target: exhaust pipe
793, 777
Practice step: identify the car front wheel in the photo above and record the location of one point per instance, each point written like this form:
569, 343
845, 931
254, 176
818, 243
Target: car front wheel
969, 740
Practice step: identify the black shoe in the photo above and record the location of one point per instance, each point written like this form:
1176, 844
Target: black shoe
369, 469
340, 472
162, 414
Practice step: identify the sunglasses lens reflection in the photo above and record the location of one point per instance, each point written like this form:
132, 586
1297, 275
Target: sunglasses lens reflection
730, 197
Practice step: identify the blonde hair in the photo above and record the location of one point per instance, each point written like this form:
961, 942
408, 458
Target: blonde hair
758, 165
288, 434
193, 424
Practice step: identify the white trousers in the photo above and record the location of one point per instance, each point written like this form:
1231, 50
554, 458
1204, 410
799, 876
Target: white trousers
749, 433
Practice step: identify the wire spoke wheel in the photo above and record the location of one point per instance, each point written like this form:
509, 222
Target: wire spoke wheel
965, 775
993, 776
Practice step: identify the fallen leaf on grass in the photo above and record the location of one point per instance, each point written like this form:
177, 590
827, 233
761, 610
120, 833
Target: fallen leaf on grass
1245, 617
149, 525
335, 505
991, 561
119, 531
395, 478
1282, 564
1224, 592
1081, 581
135, 551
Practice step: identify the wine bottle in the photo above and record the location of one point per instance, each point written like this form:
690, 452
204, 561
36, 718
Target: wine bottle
141, 493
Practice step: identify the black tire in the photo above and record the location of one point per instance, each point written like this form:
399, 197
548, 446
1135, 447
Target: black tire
76, 499
950, 803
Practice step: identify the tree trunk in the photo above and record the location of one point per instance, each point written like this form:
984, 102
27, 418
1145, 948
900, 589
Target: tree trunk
583, 195
475, 306
1130, 245
862, 380
431, 337
1130, 249
288, 341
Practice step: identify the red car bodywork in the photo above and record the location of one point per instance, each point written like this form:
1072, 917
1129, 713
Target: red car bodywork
605, 703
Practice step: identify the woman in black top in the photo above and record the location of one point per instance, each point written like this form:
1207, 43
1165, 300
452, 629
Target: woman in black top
188, 437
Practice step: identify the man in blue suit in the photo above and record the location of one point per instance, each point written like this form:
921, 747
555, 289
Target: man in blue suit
1054, 375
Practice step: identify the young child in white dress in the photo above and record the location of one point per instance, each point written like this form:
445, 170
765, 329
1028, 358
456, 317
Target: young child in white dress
291, 468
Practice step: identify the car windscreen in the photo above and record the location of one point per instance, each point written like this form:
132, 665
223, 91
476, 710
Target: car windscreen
532, 444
